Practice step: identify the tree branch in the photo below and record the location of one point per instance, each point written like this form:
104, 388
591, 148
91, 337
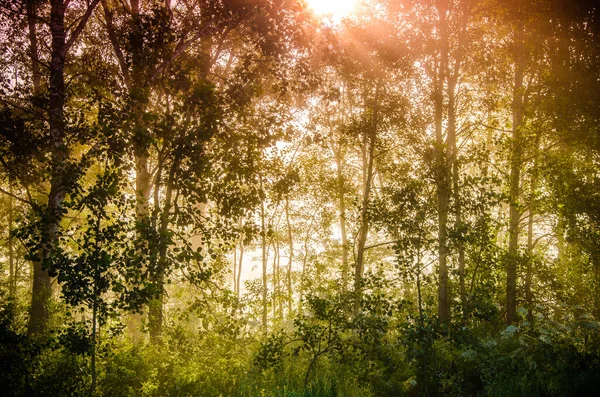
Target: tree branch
16, 197
368, 247
81, 25
108, 16
181, 47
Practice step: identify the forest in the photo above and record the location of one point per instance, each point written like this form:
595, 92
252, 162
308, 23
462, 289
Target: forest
287, 198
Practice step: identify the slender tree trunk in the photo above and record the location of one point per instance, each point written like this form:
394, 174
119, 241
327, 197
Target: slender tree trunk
12, 280
290, 300
239, 272
515, 177
342, 214
142, 191
157, 275
95, 310
419, 295
33, 47
442, 170
275, 274
11, 256
277, 295
530, 216
453, 154
561, 245
264, 257
364, 219
596, 265
234, 280
423, 362
94, 337
279, 283
530, 259
304, 263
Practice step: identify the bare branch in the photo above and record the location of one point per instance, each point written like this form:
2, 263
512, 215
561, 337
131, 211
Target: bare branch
368, 247
16, 197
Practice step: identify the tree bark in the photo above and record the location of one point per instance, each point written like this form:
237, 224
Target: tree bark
33, 47
157, 274
515, 176
290, 300
453, 153
41, 290
304, 263
135, 78
59, 152
530, 242
12, 281
342, 213
277, 301
234, 286
442, 169
239, 271
371, 137
596, 290
264, 257
95, 309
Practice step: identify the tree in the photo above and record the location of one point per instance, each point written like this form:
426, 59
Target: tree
62, 168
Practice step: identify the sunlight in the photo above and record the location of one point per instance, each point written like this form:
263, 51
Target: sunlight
337, 9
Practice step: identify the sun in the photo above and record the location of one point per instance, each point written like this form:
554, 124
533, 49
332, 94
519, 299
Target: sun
336, 9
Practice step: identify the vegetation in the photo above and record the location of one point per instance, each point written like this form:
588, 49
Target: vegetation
251, 198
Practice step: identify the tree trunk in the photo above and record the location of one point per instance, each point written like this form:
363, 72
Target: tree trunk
41, 290
33, 47
530, 259
138, 92
453, 154
12, 281
596, 290
94, 337
234, 286
239, 271
135, 80
157, 275
36, 80
442, 170
264, 257
290, 299
277, 301
95, 309
515, 177
342, 214
530, 242
304, 263
368, 180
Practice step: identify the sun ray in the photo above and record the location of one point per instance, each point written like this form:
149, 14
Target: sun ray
336, 9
